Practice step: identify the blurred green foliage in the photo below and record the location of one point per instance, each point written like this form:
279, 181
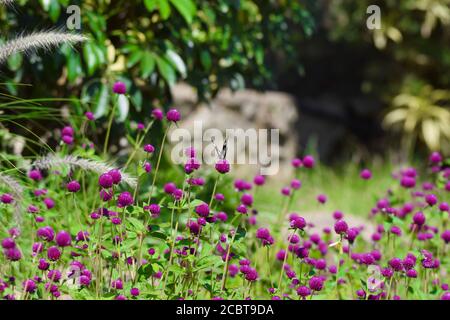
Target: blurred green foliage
150, 45
412, 75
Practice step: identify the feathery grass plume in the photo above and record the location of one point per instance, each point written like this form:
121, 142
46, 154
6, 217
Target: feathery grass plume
6, 2
99, 167
38, 40
17, 191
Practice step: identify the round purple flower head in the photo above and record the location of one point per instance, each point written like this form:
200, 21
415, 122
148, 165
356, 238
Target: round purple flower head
73, 186
303, 291
296, 163
316, 283
63, 239
222, 166
116, 175
322, 198
435, 158
105, 180
340, 227
431, 199
134, 292
46, 233
149, 148
89, 115
53, 253
125, 199
365, 174
49, 203
298, 223
308, 161
419, 218
119, 87
259, 180
35, 175
173, 115
157, 114
202, 210
6, 198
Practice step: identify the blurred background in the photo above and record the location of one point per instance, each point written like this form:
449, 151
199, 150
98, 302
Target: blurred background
313, 69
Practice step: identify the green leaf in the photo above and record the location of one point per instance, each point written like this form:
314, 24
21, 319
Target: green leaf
186, 8
166, 70
176, 60
136, 224
123, 107
150, 4
164, 9
102, 102
90, 58
147, 64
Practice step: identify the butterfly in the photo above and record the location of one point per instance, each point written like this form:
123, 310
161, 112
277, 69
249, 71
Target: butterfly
221, 154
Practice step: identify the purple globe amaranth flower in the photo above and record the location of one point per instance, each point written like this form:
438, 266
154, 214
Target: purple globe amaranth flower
251, 275
89, 116
82, 236
396, 264
298, 223
170, 187
222, 216
53, 253
443, 206
49, 203
446, 296
408, 182
73, 186
155, 209
149, 148
46, 233
222, 166
116, 175
387, 272
125, 199
194, 227
340, 227
365, 174
35, 175
286, 191
54, 275
6, 198
435, 157
106, 195
134, 292
85, 281
202, 210
296, 184
259, 180
321, 198
37, 247
117, 284
67, 139
157, 114
147, 167
411, 273
173, 115
296, 163
446, 236
13, 254
219, 197
316, 283
29, 286
43, 265
63, 239
242, 209
419, 218
119, 87
396, 230
431, 199
67, 131
308, 161
177, 194
105, 180
8, 243
247, 199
